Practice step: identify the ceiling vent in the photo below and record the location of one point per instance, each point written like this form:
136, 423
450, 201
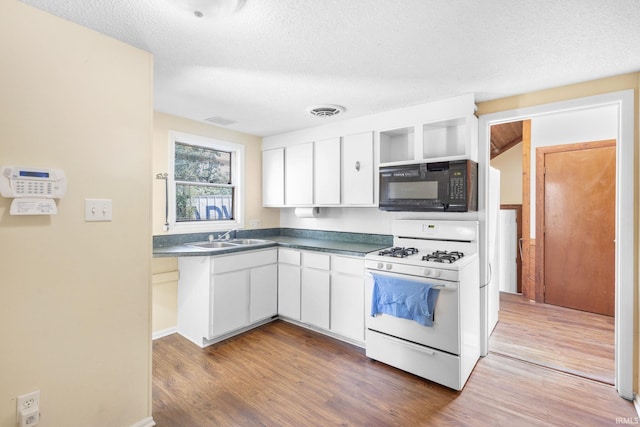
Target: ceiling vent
220, 121
328, 110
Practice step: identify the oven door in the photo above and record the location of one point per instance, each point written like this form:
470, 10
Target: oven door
443, 335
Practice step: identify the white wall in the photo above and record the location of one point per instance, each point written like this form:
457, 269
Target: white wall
509, 164
593, 124
360, 220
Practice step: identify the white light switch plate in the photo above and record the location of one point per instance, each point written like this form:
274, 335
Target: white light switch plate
98, 210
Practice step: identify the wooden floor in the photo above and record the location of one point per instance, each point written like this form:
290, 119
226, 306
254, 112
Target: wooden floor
284, 375
560, 338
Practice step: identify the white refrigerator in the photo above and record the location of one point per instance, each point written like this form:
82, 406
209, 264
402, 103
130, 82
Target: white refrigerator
492, 281
489, 286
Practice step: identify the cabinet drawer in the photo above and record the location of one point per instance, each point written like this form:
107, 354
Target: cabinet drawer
347, 265
437, 366
289, 256
242, 260
315, 260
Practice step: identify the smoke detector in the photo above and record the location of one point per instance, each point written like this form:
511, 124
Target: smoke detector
327, 110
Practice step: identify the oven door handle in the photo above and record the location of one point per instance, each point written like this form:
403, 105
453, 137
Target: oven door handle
436, 284
445, 287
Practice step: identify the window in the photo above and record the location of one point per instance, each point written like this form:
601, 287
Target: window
205, 182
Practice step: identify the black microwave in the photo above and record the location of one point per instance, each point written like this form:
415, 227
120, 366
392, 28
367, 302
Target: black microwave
430, 187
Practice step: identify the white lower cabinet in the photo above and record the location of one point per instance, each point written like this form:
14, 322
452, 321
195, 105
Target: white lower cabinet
316, 288
315, 297
322, 290
348, 309
220, 294
229, 302
289, 283
263, 292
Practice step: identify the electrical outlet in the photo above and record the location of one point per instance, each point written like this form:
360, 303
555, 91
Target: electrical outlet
255, 223
28, 409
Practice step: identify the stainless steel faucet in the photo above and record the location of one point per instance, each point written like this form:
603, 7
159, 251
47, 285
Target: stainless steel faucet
225, 236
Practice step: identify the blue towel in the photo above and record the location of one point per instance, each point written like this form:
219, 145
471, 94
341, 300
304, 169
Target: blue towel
404, 298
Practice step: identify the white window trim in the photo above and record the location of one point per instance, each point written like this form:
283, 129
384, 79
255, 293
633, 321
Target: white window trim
237, 168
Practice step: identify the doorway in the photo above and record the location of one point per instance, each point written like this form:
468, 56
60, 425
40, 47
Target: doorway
580, 186
625, 251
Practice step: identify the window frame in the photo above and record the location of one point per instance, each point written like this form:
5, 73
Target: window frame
237, 181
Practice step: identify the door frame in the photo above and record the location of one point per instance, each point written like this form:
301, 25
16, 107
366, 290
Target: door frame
626, 255
541, 152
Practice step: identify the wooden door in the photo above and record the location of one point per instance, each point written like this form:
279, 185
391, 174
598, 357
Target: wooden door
578, 202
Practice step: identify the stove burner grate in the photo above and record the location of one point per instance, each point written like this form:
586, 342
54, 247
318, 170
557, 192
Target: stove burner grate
398, 252
443, 256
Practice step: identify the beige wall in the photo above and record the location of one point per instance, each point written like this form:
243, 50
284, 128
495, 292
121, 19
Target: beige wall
165, 289
74, 295
580, 90
509, 164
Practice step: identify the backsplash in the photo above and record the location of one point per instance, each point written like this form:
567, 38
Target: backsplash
164, 241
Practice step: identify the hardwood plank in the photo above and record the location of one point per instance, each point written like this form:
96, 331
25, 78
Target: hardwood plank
556, 337
284, 375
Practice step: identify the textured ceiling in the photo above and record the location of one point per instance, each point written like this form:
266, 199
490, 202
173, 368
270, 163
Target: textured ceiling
263, 65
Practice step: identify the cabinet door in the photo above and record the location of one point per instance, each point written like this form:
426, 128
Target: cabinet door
263, 296
357, 169
327, 172
230, 302
273, 177
347, 306
289, 291
299, 175
315, 297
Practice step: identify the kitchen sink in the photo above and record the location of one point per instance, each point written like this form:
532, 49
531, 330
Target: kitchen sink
247, 241
213, 245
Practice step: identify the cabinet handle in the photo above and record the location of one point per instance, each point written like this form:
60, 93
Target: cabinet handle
358, 166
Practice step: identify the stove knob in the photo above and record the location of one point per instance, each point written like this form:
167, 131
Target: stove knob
380, 266
389, 266
427, 272
436, 273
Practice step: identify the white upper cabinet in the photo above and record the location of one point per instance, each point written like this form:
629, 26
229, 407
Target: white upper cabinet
273, 177
452, 139
442, 130
357, 169
299, 175
326, 160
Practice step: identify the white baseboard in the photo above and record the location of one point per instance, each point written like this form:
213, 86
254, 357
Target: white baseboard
147, 422
164, 333
636, 404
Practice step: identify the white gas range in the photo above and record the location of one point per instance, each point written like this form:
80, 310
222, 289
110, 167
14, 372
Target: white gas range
428, 256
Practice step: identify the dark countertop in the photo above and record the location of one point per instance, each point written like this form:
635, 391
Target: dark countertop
351, 244
332, 246
186, 250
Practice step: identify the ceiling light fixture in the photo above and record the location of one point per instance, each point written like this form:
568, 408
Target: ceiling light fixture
209, 8
326, 110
